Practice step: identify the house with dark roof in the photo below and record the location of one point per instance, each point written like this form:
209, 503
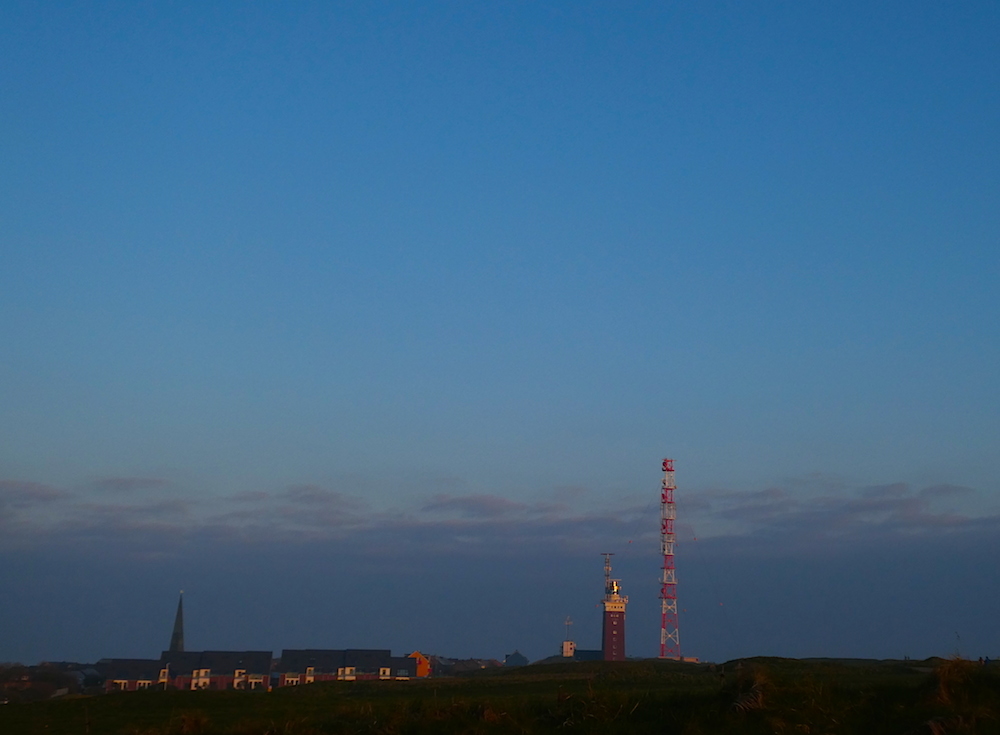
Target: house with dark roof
132, 674
218, 669
305, 666
515, 659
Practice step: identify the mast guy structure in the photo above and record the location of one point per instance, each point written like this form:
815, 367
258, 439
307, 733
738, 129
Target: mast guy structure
670, 636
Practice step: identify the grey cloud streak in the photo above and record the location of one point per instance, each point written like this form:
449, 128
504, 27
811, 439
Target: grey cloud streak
20, 499
806, 514
25, 493
791, 517
129, 484
473, 506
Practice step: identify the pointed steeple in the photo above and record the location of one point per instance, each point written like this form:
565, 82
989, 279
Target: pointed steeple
177, 637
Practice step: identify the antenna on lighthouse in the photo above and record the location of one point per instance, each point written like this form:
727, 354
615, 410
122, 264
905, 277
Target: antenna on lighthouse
607, 571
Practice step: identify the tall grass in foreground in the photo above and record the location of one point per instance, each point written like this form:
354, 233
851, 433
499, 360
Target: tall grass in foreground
749, 696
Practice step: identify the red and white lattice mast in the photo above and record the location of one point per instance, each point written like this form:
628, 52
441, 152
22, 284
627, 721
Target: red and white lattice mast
670, 636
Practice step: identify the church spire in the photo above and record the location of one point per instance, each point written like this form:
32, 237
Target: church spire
177, 637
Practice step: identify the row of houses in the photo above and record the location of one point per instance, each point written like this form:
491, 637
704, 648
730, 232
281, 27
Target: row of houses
258, 670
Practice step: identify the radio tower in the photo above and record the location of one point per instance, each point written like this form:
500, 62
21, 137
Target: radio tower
670, 636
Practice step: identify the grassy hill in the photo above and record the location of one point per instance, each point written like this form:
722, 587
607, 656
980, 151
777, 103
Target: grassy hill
761, 695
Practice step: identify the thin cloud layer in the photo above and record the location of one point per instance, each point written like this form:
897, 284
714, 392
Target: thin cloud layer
473, 506
809, 513
129, 484
25, 494
306, 511
790, 517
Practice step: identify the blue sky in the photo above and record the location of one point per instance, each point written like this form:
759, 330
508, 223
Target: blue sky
337, 282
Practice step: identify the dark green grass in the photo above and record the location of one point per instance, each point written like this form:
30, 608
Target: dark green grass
762, 695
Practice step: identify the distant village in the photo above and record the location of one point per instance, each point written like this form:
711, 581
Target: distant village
179, 669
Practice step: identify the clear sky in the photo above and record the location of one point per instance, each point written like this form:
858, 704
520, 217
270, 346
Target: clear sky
389, 312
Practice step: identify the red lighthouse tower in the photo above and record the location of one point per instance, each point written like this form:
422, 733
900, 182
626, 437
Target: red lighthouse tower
613, 636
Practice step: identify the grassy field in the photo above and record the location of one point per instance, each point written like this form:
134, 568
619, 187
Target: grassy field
762, 695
